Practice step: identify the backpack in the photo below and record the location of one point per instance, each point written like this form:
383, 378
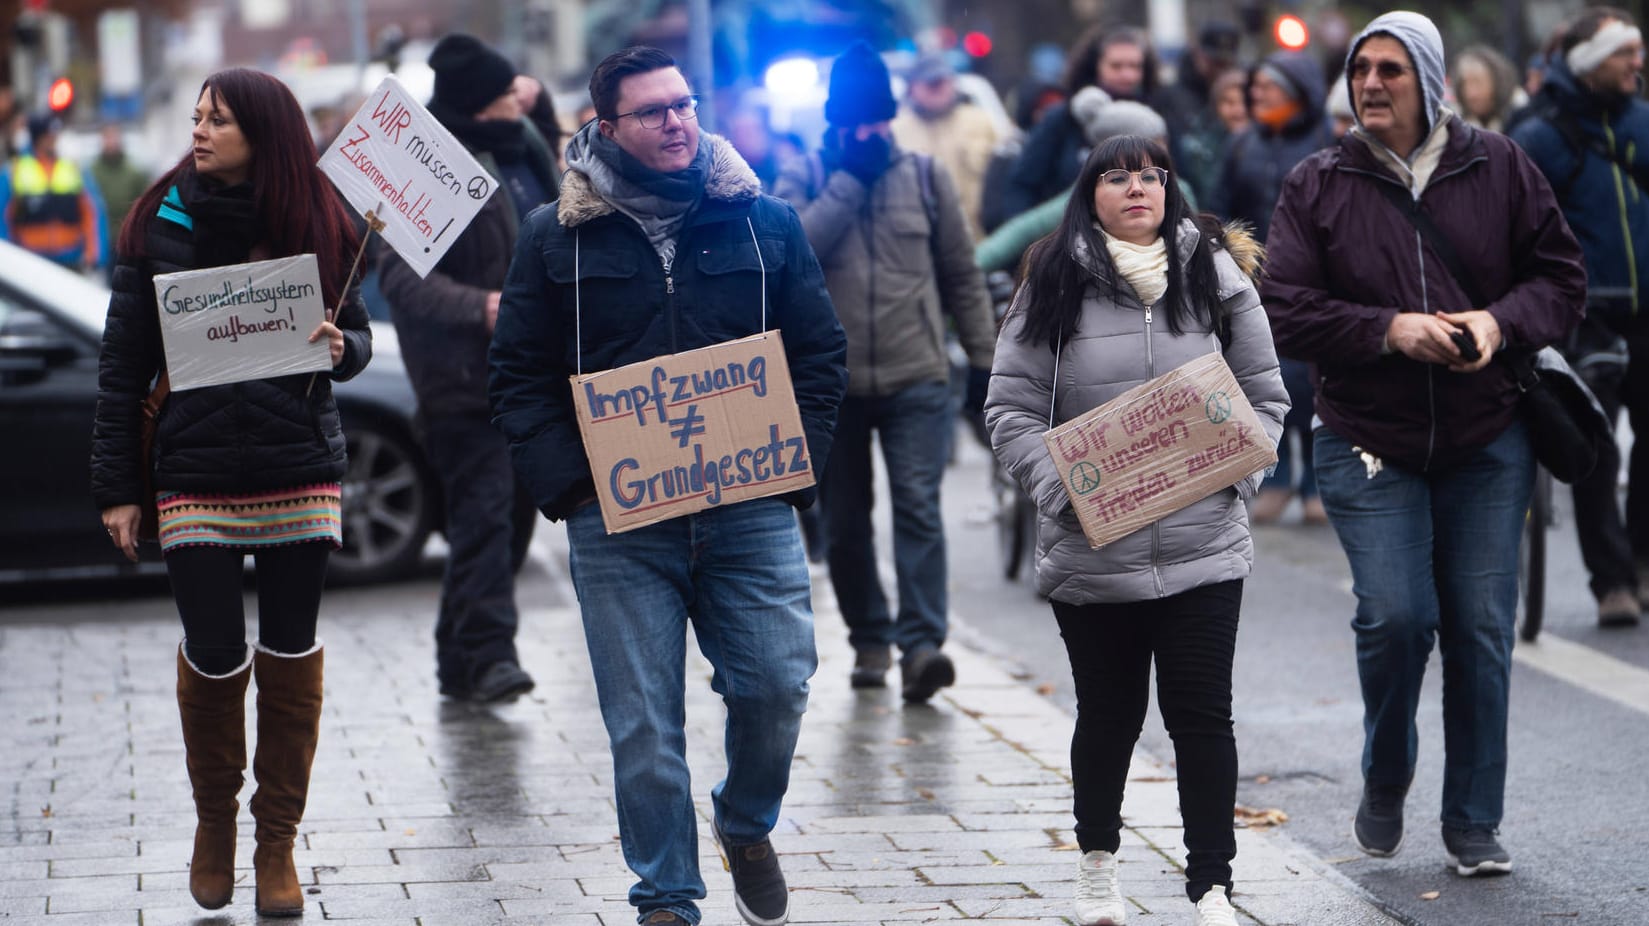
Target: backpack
1579, 142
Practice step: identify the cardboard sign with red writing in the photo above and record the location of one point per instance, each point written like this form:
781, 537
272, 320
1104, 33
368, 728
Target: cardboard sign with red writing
1157, 448
394, 160
690, 431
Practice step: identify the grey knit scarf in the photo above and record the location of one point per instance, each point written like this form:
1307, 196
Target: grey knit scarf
658, 202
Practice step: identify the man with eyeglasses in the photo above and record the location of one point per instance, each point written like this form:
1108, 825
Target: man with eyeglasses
1589, 132
1423, 463
888, 228
662, 242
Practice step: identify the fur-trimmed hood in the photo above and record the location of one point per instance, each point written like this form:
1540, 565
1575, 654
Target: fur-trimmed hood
1237, 238
729, 179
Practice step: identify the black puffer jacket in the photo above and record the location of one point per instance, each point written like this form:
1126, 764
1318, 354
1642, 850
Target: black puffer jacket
246, 436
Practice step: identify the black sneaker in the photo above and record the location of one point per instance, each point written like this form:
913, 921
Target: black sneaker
759, 891
870, 665
925, 672
501, 681
1379, 826
664, 918
1475, 852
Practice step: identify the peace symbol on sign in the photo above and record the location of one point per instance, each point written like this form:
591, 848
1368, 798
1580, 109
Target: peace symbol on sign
479, 188
1217, 408
1084, 478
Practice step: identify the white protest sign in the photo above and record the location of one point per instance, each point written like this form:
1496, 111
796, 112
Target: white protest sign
394, 160
244, 321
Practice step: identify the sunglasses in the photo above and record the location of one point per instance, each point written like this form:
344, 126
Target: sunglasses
1387, 70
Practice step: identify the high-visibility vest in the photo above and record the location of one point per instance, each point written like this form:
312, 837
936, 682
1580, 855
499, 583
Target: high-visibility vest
42, 198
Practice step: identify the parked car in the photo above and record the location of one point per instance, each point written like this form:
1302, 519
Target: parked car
51, 324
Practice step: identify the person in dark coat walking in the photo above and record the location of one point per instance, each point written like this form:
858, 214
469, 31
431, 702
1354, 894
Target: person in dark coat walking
1286, 122
1424, 464
445, 323
663, 242
1589, 132
251, 467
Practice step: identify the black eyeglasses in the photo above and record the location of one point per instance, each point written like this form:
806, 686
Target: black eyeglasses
1388, 70
1149, 178
653, 117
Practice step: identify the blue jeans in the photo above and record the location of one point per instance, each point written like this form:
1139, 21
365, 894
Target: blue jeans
915, 427
1434, 556
1301, 409
739, 577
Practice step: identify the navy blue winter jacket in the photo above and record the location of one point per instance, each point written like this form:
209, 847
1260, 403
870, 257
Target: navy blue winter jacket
633, 311
1606, 209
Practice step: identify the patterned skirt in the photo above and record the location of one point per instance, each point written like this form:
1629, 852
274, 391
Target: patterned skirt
252, 521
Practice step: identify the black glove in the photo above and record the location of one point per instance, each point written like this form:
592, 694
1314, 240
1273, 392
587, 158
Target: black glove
866, 160
979, 383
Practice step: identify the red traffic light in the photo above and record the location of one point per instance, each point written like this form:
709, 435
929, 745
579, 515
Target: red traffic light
1291, 32
61, 95
977, 44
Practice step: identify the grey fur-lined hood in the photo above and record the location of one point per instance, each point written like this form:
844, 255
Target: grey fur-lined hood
729, 179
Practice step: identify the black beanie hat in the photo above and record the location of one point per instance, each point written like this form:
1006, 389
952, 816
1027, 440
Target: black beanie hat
468, 74
860, 89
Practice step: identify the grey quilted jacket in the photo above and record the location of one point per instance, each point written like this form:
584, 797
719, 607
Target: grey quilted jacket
1118, 346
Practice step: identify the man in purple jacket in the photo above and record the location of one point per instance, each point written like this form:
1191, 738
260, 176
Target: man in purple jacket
1423, 463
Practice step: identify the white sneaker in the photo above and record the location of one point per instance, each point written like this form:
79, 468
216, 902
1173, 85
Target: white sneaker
1214, 909
1098, 901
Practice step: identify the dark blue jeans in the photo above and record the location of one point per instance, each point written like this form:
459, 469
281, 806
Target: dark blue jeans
1434, 557
1302, 406
477, 621
914, 427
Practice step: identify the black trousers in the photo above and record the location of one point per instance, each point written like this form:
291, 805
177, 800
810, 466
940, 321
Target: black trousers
478, 619
207, 585
1193, 637
1608, 546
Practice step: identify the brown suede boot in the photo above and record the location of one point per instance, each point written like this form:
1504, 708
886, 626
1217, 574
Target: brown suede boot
213, 709
289, 721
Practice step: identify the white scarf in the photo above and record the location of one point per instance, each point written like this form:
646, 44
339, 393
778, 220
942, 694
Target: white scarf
1143, 266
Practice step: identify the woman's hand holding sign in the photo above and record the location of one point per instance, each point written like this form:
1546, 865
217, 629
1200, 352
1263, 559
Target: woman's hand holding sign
334, 340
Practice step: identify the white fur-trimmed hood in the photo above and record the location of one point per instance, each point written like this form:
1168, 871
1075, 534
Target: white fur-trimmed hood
730, 179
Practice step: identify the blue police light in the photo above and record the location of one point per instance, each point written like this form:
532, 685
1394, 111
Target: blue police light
791, 78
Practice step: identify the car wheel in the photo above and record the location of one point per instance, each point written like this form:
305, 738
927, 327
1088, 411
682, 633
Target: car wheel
389, 501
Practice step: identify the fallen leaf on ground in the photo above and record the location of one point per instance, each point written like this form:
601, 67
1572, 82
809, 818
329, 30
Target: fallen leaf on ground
1431, 895
1044, 689
1270, 816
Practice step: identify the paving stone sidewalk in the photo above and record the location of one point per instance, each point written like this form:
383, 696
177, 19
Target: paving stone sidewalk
432, 813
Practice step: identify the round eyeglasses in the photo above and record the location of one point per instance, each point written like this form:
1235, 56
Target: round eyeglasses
1149, 177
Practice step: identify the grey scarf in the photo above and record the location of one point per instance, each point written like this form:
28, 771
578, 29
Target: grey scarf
654, 200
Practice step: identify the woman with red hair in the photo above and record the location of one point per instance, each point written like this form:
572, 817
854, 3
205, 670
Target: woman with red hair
251, 467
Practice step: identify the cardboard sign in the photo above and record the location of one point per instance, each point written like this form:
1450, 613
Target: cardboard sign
243, 321
690, 431
394, 160
1157, 448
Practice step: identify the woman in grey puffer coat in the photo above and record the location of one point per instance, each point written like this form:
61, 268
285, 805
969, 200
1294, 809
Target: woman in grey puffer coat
1129, 287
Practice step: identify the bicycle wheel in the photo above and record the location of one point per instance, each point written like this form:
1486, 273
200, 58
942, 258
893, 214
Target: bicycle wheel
1532, 574
1010, 533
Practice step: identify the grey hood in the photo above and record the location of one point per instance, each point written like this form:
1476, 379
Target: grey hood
1425, 47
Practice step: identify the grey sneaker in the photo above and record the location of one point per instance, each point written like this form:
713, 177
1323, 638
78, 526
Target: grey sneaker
759, 891
870, 665
1379, 826
1475, 852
